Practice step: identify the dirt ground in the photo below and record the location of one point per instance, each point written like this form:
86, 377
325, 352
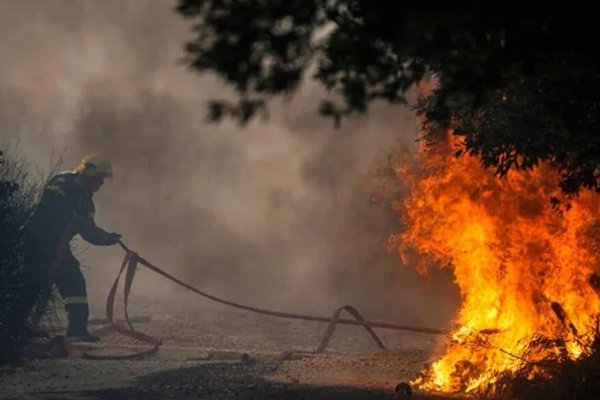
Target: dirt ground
218, 353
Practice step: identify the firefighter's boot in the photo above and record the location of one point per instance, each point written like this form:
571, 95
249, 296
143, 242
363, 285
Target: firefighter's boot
78, 318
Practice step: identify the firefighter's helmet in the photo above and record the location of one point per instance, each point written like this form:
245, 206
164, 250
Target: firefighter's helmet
93, 165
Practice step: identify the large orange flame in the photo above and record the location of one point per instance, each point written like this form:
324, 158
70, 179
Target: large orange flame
523, 267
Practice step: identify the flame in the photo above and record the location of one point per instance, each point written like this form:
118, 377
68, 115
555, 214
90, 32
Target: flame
522, 266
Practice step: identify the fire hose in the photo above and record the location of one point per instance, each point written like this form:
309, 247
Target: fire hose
133, 259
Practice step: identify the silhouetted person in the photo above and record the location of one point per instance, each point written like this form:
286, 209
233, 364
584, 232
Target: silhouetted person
65, 210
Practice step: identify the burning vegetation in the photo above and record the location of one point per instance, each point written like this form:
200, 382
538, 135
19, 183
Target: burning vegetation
524, 257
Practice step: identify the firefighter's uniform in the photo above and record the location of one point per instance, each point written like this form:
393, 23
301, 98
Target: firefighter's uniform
65, 210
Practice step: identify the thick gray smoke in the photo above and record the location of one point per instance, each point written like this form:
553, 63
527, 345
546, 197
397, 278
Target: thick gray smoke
276, 214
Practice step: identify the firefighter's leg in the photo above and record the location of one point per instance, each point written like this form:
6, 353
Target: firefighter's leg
35, 290
25, 308
71, 285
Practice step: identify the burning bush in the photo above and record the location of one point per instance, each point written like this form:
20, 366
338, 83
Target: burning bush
557, 376
523, 257
17, 200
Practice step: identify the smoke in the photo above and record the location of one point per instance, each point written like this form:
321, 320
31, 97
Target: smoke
278, 214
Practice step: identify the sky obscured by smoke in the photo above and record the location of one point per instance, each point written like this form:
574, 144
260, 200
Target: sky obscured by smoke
277, 214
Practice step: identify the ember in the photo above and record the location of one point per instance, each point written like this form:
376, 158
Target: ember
523, 265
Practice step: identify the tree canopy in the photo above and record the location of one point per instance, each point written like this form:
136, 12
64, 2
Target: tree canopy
518, 81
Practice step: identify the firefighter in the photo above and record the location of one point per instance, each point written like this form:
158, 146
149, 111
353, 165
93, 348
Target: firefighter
65, 210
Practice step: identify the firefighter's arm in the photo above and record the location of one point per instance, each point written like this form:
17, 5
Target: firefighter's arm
95, 235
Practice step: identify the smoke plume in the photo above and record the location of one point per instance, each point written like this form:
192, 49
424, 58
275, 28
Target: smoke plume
277, 214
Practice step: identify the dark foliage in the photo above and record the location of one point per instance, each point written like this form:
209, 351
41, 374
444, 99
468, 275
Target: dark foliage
17, 199
519, 81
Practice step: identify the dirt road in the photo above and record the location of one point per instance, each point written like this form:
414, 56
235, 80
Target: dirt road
223, 354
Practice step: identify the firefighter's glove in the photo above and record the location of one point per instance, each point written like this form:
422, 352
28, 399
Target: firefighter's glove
112, 238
